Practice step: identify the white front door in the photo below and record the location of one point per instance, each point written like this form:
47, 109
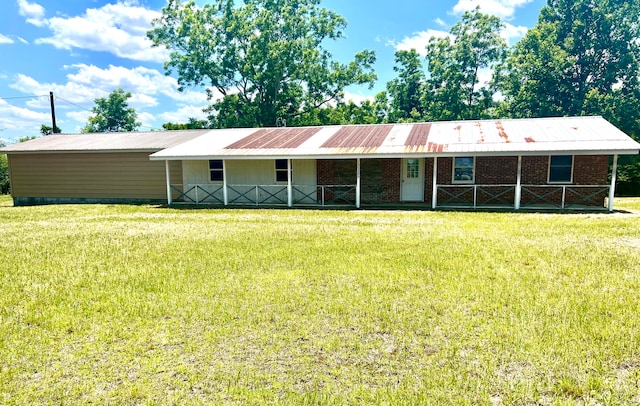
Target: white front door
412, 188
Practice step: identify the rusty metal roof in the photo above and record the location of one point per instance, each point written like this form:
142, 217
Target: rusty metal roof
101, 142
536, 136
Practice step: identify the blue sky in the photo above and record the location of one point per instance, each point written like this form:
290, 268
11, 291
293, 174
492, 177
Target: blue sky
82, 50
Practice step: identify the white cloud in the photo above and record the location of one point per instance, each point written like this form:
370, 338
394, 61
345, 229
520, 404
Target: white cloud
440, 22
78, 118
419, 41
504, 9
33, 11
357, 98
20, 118
89, 82
511, 32
5, 40
118, 28
146, 119
183, 114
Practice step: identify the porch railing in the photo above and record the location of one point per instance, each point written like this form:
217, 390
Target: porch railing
476, 195
564, 196
531, 196
448, 196
271, 195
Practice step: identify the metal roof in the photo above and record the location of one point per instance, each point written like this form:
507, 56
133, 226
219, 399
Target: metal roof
535, 136
105, 142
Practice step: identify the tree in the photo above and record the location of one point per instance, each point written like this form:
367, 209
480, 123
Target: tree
454, 67
407, 90
112, 114
579, 55
4, 171
532, 78
48, 130
193, 124
265, 57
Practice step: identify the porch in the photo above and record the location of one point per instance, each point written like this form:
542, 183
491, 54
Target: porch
357, 186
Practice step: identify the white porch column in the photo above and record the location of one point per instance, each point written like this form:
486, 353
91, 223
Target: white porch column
357, 183
434, 194
614, 174
518, 197
289, 186
225, 192
168, 175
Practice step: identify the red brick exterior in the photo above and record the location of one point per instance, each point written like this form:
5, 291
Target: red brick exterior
381, 178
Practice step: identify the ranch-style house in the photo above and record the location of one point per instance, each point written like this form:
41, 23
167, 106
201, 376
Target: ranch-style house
544, 163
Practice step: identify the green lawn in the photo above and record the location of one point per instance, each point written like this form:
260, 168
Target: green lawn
141, 304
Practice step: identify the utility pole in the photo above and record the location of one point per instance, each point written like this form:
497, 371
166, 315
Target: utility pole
53, 114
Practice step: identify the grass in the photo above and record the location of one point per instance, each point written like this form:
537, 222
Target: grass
147, 305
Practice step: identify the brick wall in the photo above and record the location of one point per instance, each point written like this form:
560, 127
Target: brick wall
391, 168
591, 170
535, 170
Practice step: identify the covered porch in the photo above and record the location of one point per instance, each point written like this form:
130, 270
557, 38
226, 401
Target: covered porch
436, 195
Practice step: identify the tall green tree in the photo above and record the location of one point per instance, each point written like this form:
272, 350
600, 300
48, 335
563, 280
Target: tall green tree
112, 114
406, 91
532, 77
582, 57
265, 57
455, 64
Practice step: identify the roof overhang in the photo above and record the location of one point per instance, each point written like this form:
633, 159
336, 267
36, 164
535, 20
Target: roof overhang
517, 137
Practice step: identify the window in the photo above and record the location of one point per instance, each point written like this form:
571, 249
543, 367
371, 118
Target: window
413, 168
464, 169
561, 169
282, 170
216, 171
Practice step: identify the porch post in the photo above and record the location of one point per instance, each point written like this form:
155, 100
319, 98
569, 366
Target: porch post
168, 175
357, 183
518, 197
289, 187
225, 193
434, 194
612, 189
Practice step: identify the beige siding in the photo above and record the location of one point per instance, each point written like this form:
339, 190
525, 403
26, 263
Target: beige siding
243, 176
250, 172
195, 172
258, 172
304, 172
126, 175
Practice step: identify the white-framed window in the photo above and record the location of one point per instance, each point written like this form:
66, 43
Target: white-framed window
216, 170
282, 170
413, 168
464, 169
560, 169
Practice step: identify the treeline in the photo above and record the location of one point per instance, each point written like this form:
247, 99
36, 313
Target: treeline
266, 59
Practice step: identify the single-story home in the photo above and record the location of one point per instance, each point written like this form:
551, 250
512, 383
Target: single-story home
543, 163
